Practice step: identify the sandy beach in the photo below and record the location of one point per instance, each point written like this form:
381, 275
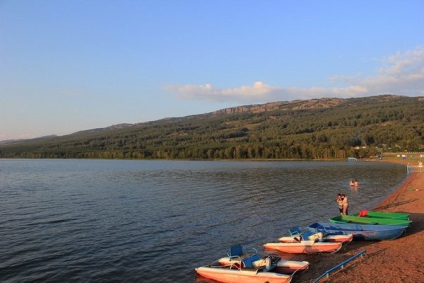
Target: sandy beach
399, 260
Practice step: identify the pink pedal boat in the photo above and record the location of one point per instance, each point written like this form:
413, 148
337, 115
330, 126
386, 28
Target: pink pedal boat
248, 270
247, 266
305, 247
317, 236
281, 265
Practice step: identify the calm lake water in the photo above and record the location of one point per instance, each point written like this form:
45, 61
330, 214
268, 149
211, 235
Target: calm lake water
155, 221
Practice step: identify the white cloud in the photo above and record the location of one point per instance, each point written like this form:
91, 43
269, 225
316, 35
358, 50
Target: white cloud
401, 73
258, 90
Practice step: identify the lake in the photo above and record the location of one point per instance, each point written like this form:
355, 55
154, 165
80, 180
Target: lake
155, 221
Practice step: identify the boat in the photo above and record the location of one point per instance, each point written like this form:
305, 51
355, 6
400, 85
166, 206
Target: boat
252, 269
304, 247
380, 214
281, 265
297, 235
341, 238
369, 220
238, 253
361, 232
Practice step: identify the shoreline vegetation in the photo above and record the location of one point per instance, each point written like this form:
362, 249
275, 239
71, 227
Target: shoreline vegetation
397, 260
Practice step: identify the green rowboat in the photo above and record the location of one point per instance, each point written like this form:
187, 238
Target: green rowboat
379, 214
369, 220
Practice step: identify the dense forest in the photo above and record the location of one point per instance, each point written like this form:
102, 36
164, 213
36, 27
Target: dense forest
328, 128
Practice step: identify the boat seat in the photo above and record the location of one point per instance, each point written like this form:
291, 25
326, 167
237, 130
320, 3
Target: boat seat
235, 251
295, 231
248, 262
305, 235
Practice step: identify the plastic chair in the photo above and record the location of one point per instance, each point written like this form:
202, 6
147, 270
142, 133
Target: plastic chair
237, 252
295, 231
248, 262
305, 235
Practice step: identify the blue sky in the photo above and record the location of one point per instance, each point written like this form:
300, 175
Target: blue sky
67, 66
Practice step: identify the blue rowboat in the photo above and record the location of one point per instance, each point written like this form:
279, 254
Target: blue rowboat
361, 231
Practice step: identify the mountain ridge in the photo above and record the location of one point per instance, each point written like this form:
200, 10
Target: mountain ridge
326, 128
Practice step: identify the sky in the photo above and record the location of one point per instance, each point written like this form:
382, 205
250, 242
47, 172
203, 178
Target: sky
68, 66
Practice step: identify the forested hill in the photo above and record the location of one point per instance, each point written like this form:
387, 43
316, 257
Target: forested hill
328, 128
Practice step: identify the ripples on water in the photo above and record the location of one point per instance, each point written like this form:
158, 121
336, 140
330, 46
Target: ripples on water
155, 221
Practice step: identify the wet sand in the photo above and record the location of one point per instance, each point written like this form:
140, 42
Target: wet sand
400, 260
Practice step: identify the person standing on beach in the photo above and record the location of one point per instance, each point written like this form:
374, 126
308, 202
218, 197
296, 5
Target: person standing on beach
340, 203
345, 205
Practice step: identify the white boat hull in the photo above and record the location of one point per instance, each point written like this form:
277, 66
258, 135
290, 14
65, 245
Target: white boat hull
226, 274
328, 238
282, 265
305, 247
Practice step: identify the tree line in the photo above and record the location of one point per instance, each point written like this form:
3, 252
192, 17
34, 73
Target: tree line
310, 129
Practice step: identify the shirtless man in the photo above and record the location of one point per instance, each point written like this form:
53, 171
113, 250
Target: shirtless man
340, 203
345, 203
